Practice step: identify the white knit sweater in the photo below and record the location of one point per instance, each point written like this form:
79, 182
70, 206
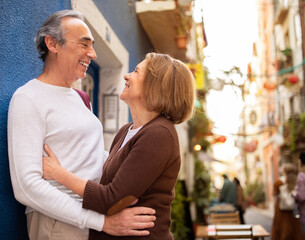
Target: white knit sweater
41, 113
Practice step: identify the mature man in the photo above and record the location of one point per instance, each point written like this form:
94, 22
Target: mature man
47, 110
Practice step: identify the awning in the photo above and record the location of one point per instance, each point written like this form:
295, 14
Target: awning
158, 19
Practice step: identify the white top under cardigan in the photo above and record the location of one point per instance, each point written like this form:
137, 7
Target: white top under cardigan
131, 132
41, 113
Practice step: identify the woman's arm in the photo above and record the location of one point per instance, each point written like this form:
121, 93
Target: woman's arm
153, 156
52, 170
143, 165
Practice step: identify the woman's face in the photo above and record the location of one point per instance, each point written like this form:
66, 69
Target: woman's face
133, 91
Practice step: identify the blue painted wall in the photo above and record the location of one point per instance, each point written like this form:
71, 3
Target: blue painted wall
19, 21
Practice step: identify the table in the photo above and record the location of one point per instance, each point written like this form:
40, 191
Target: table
250, 231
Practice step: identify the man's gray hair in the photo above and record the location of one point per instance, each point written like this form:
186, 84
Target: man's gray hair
52, 27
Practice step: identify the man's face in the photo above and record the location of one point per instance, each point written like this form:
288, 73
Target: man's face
75, 55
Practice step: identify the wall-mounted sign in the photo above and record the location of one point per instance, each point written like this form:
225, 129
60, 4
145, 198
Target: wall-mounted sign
110, 113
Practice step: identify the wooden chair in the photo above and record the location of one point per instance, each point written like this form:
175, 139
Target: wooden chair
234, 231
225, 218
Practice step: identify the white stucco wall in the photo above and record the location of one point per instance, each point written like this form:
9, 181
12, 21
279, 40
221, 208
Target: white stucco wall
112, 57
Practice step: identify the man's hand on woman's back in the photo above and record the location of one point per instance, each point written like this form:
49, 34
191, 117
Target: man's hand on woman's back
130, 222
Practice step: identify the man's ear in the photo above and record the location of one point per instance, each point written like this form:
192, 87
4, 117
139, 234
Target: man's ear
51, 43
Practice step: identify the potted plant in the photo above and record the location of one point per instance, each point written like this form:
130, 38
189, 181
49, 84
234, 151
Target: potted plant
287, 51
183, 26
200, 128
294, 133
201, 191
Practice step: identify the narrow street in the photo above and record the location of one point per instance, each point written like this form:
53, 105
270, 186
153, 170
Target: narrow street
259, 216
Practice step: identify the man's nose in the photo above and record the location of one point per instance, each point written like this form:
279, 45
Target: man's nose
91, 53
126, 76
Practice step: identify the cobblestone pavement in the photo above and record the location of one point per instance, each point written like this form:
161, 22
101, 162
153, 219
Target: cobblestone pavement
263, 217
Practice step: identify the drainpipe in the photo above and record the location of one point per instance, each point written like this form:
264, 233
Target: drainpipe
301, 10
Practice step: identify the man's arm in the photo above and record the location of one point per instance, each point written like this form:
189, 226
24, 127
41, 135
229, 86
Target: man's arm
26, 134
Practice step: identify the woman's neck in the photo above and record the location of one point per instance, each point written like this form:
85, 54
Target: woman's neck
141, 116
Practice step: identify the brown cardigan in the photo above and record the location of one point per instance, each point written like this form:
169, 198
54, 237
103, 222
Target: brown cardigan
147, 168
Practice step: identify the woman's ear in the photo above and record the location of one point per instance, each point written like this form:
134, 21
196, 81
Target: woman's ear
51, 43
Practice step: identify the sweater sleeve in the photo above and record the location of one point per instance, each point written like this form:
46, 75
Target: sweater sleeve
26, 134
147, 159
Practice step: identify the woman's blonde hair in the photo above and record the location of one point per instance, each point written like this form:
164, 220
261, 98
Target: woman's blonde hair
169, 87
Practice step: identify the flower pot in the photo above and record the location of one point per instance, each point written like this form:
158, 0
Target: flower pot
181, 42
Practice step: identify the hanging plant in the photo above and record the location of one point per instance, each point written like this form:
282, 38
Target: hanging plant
200, 129
181, 41
183, 26
221, 139
293, 79
294, 131
287, 52
270, 85
251, 146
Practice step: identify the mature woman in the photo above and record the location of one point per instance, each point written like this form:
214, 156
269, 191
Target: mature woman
144, 158
285, 225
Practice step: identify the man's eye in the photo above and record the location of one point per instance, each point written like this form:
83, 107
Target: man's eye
84, 44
